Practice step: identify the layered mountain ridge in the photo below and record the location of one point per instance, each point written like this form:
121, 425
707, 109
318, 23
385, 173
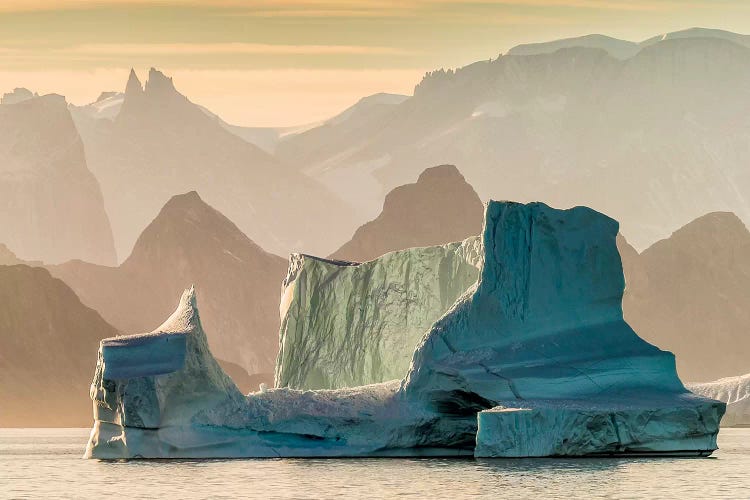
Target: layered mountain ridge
190, 242
160, 144
654, 140
52, 204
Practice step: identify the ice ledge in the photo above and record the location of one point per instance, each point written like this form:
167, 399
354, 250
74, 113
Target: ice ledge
680, 425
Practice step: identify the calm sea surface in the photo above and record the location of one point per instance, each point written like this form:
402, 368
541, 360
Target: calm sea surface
46, 463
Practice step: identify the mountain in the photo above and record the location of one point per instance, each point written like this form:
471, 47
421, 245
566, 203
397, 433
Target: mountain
314, 150
47, 341
621, 49
655, 140
160, 144
8, 258
107, 106
441, 207
624, 49
52, 204
689, 294
699, 33
189, 242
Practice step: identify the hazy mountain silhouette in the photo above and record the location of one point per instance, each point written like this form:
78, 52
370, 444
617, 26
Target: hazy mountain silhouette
160, 144
8, 258
690, 293
107, 106
439, 208
48, 346
654, 140
189, 242
52, 205
699, 33
621, 49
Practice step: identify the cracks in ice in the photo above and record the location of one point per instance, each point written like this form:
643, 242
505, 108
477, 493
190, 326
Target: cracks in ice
488, 370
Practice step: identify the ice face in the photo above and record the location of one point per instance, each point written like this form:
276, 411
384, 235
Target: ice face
541, 331
346, 324
545, 320
641, 425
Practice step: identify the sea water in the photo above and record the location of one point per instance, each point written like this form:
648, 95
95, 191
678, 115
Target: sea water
47, 463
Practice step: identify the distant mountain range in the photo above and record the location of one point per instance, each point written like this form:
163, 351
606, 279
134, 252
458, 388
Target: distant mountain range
623, 49
160, 144
655, 140
52, 207
685, 294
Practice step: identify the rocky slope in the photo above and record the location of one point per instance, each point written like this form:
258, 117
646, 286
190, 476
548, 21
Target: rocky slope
441, 207
689, 294
189, 242
47, 340
52, 207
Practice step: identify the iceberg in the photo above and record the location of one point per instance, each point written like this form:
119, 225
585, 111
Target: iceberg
532, 359
735, 392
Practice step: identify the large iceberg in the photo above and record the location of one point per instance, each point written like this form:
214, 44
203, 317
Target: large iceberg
535, 350
735, 392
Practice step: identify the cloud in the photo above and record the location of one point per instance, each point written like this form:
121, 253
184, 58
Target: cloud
131, 49
359, 8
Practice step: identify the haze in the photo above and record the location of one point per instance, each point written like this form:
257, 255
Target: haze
290, 62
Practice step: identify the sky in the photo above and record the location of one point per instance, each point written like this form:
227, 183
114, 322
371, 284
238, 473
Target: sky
292, 62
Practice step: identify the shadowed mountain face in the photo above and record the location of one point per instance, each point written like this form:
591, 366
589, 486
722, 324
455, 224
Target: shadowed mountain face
160, 144
655, 140
690, 293
52, 208
191, 243
8, 258
439, 208
621, 49
48, 341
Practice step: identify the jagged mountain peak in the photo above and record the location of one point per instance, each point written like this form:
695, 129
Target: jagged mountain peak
134, 86
18, 94
158, 82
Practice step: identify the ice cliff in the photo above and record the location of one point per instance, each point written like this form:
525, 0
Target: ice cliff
735, 392
346, 324
533, 359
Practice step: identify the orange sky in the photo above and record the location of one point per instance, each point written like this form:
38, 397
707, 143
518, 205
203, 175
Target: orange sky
287, 62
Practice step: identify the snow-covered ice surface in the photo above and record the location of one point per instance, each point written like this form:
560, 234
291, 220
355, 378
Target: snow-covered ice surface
735, 392
543, 322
